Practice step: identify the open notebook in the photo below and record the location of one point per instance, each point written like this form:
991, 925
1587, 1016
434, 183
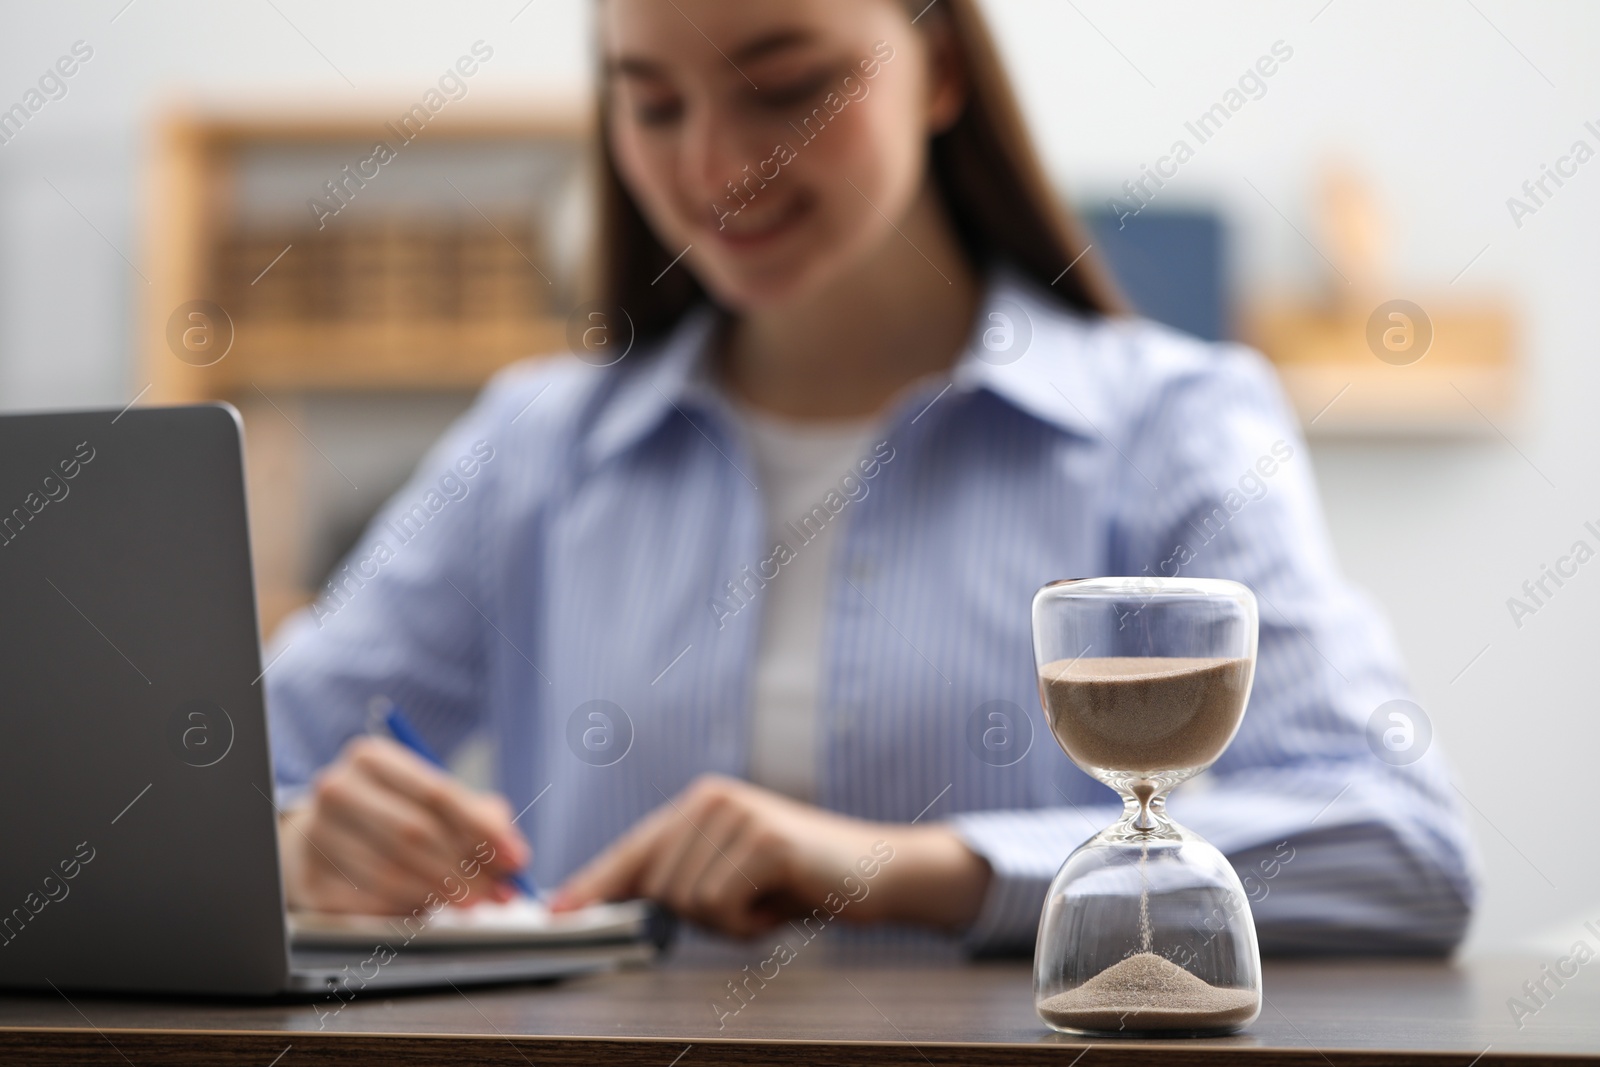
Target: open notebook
522, 923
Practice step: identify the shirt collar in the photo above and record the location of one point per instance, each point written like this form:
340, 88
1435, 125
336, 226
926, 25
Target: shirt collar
1036, 353
1052, 377
676, 372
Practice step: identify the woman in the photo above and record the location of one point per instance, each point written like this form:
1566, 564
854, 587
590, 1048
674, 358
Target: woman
742, 610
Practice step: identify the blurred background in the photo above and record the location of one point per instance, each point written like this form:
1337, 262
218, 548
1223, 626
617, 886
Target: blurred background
158, 242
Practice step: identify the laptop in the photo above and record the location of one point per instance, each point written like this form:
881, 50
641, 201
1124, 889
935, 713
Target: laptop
140, 850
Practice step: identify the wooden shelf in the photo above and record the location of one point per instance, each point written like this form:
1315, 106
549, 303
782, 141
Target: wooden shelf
1466, 385
194, 218
1452, 370
1365, 400
311, 120
386, 354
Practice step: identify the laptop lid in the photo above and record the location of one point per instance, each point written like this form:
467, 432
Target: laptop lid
135, 781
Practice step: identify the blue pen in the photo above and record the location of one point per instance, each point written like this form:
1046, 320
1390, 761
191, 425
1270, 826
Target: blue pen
403, 732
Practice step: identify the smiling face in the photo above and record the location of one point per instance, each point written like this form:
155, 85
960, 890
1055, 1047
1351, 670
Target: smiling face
783, 139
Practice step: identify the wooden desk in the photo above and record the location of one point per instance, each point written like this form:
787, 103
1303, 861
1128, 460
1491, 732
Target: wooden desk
833, 1005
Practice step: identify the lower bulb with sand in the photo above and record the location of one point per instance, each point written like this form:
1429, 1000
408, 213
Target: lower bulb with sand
1146, 930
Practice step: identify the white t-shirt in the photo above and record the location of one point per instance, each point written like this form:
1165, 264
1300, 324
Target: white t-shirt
797, 463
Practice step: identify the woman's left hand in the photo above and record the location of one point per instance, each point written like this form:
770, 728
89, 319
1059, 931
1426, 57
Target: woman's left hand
740, 859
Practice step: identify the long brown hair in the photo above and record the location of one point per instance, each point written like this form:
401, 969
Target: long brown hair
987, 173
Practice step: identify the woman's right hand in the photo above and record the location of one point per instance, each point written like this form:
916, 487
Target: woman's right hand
381, 830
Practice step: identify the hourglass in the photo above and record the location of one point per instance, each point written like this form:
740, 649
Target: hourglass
1146, 929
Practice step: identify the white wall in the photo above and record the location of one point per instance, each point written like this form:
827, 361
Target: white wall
1446, 112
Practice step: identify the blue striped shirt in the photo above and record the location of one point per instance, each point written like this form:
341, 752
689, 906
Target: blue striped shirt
576, 569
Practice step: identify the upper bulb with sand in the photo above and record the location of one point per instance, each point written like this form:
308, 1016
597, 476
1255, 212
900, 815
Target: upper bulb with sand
1146, 929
